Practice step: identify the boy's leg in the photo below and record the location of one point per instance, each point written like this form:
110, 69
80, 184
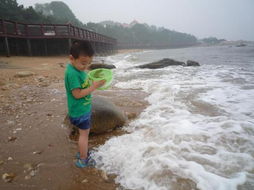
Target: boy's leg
83, 142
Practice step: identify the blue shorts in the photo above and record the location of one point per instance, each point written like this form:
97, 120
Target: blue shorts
82, 122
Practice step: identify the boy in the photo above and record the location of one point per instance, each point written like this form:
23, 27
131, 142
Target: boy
79, 97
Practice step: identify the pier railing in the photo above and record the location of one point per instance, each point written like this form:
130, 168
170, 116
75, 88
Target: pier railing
31, 31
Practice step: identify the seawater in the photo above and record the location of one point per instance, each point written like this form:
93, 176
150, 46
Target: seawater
198, 130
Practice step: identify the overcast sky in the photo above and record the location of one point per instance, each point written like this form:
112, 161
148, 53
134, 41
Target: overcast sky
230, 19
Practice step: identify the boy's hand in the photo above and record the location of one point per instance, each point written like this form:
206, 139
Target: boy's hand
98, 84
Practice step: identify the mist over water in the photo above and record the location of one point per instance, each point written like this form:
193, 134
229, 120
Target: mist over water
197, 132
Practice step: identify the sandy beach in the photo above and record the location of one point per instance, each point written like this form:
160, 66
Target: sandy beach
36, 150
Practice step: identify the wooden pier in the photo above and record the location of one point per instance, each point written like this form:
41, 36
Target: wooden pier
48, 39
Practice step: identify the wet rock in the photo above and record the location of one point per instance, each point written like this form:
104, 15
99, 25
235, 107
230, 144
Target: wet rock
107, 178
192, 63
161, 64
131, 115
8, 178
24, 74
105, 117
101, 65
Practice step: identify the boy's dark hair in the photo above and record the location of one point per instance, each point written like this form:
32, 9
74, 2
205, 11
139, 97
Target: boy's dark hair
81, 48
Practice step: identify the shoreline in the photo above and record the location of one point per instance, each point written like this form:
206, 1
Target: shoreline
121, 51
34, 139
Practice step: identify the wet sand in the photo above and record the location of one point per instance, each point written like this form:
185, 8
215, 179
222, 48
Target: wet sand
35, 143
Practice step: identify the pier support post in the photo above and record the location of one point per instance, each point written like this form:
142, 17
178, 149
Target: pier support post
94, 47
45, 47
17, 46
70, 43
7, 47
29, 47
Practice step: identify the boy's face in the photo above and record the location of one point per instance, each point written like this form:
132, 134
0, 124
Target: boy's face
82, 62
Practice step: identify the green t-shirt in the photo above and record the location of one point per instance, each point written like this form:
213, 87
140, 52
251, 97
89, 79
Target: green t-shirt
76, 79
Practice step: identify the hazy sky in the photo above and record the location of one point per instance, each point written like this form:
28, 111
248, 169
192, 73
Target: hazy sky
230, 19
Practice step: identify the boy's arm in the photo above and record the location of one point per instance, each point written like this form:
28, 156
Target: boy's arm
80, 93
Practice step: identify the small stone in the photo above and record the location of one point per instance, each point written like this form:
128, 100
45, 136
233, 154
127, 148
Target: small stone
6, 87
41, 78
104, 176
61, 65
27, 177
32, 173
18, 129
10, 158
44, 84
37, 152
1, 162
11, 139
28, 166
24, 74
8, 178
84, 181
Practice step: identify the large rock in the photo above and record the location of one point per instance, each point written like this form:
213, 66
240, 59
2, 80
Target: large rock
192, 63
101, 65
161, 64
105, 117
24, 74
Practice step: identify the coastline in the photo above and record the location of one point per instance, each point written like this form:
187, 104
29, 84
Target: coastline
33, 110
120, 51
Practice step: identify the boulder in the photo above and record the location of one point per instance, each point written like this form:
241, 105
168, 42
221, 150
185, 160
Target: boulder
105, 117
101, 65
192, 63
241, 45
161, 64
24, 74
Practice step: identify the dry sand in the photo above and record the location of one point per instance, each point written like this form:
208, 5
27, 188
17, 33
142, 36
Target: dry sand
34, 143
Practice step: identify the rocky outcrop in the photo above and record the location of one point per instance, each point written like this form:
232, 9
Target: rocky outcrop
101, 65
161, 64
192, 63
167, 62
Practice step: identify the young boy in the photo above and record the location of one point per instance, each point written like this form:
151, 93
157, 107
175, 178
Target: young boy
79, 96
